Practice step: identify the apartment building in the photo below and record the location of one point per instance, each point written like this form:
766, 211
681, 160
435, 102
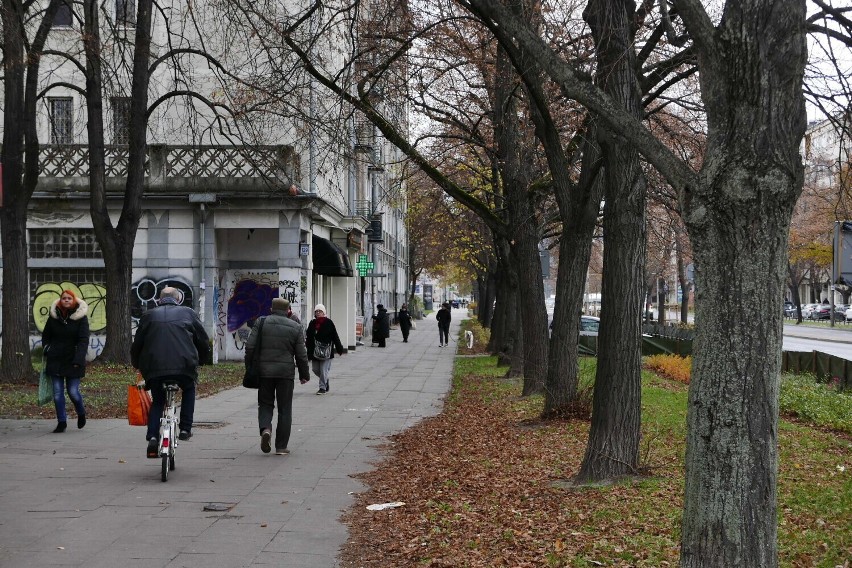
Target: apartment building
286, 208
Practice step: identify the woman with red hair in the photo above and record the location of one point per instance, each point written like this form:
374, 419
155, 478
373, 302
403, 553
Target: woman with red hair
65, 340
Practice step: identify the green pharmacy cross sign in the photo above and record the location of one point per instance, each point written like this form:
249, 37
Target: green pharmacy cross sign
363, 265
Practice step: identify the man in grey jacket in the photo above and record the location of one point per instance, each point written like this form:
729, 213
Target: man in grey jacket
169, 345
282, 352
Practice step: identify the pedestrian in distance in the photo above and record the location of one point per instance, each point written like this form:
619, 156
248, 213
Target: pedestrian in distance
444, 318
381, 326
282, 353
404, 318
65, 340
290, 313
321, 330
169, 345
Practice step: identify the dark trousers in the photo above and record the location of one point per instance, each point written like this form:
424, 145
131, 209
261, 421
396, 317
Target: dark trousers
444, 333
272, 389
158, 395
405, 331
382, 342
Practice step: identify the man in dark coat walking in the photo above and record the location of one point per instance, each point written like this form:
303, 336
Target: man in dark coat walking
282, 352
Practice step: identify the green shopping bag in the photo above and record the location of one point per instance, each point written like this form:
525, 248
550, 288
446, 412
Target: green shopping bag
45, 387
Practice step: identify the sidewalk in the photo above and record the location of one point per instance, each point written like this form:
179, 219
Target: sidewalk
90, 497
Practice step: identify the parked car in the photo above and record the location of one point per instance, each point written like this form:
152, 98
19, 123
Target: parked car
589, 325
848, 314
821, 312
806, 310
789, 309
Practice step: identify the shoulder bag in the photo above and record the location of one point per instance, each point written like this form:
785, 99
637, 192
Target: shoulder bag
251, 380
322, 351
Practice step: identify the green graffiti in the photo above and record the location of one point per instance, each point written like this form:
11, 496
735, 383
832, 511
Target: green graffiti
92, 294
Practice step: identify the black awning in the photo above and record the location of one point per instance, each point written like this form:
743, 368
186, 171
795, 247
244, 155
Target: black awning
330, 259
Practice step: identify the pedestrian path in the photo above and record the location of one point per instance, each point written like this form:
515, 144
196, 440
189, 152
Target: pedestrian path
90, 497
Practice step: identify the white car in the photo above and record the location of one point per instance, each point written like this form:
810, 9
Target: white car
849, 314
589, 325
807, 309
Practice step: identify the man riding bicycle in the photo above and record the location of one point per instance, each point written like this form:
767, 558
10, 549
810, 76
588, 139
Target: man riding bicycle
169, 345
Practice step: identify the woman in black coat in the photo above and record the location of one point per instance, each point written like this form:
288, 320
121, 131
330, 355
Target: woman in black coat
381, 326
65, 340
322, 330
404, 322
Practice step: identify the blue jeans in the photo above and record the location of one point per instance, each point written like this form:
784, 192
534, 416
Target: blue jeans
73, 387
158, 402
321, 368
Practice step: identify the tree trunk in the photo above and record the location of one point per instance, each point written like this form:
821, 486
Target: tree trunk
613, 448
117, 243
738, 219
20, 161
514, 148
579, 207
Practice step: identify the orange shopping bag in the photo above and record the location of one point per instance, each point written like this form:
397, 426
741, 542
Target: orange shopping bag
138, 404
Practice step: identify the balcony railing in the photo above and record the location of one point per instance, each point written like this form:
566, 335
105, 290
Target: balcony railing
269, 162
362, 207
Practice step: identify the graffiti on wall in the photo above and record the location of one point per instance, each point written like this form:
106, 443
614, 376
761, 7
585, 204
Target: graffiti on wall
145, 292
93, 294
250, 300
245, 296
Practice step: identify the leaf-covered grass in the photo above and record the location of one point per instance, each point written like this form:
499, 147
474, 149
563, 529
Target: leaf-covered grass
104, 390
485, 484
818, 403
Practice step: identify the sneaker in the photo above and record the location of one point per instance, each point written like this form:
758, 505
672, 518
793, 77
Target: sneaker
184, 435
81, 421
264, 441
153, 449
322, 391
283, 452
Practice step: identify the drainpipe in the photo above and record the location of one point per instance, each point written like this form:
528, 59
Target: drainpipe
202, 199
202, 285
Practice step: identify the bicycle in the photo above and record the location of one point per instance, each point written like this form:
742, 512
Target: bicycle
168, 430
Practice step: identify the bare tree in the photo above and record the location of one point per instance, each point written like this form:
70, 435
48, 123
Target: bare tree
737, 212
22, 56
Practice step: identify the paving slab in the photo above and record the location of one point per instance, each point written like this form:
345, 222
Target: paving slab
91, 498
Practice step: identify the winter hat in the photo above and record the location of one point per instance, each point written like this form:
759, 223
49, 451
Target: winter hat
319, 307
280, 304
380, 307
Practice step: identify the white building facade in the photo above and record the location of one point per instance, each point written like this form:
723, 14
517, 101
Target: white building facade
232, 225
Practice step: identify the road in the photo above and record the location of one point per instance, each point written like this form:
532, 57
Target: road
836, 341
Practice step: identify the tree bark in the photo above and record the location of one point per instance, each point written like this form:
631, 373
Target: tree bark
117, 242
20, 159
738, 219
514, 146
613, 448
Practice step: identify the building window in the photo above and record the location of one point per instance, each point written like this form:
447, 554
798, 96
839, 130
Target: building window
64, 243
61, 120
121, 120
125, 13
63, 17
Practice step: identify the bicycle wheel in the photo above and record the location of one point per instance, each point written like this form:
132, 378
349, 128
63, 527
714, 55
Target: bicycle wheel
164, 470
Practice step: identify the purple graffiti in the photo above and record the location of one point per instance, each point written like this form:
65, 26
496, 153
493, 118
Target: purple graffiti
249, 301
